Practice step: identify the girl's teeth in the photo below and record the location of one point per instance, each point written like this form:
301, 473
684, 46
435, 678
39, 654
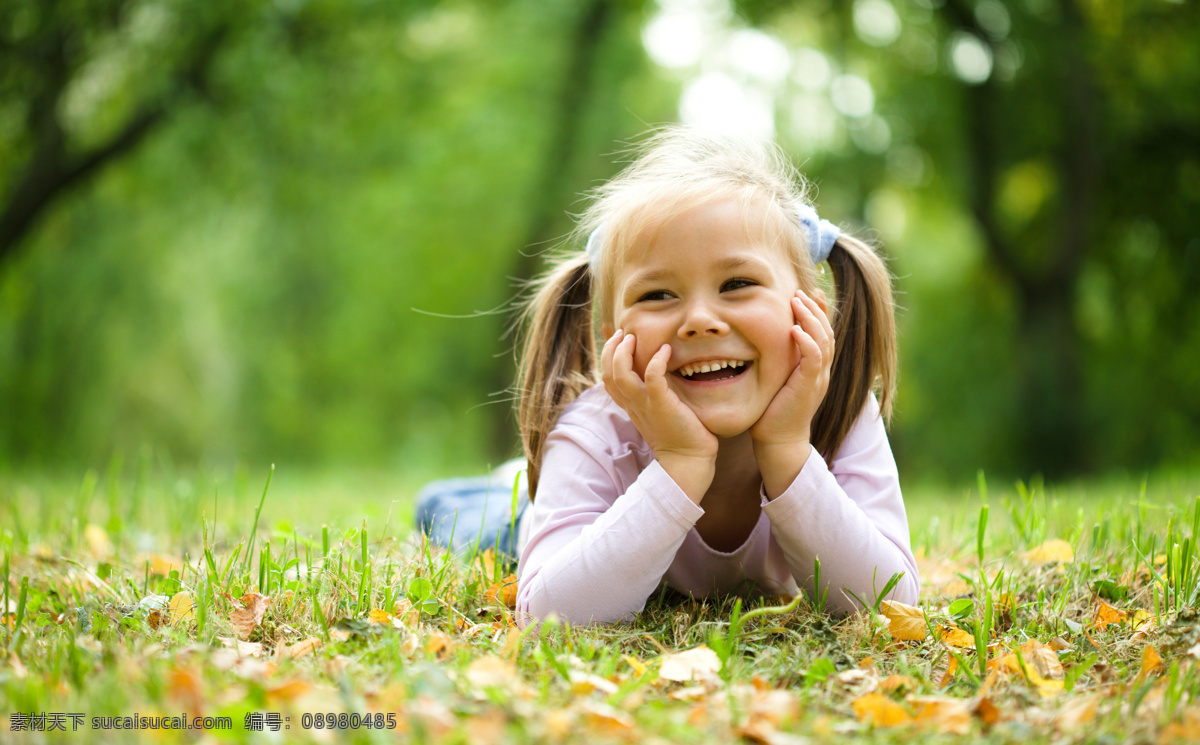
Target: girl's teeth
703, 367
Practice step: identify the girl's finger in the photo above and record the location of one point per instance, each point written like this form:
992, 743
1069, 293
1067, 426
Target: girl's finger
814, 321
812, 358
607, 353
623, 360
656, 369
819, 303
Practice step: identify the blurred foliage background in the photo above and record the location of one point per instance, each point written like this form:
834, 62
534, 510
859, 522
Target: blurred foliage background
238, 231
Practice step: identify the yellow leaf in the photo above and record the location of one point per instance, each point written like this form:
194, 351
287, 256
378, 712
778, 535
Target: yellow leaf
1151, 663
946, 715
97, 541
1053, 550
881, 711
504, 592
639, 667
491, 671
1106, 615
379, 617
696, 663
604, 722
953, 636
182, 607
905, 622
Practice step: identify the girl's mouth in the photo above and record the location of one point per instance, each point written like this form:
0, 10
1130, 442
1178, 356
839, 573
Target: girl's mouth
712, 370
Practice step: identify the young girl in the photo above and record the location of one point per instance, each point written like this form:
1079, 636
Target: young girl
730, 437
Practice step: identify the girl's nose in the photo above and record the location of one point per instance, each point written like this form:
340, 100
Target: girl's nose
700, 319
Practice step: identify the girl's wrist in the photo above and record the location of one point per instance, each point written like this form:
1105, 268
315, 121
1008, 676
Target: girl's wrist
780, 463
691, 473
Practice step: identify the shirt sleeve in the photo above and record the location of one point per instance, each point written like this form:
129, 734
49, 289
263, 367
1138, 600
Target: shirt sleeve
851, 516
595, 554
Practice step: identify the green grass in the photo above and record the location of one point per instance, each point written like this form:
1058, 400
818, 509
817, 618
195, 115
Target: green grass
85, 561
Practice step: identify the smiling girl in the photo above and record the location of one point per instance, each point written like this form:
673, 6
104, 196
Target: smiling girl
735, 437
727, 436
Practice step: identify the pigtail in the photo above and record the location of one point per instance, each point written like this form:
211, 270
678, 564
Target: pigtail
864, 327
558, 354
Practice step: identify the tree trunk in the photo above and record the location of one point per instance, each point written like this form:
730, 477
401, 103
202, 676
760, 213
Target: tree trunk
550, 196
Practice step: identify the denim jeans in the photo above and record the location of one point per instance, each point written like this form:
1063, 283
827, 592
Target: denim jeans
461, 513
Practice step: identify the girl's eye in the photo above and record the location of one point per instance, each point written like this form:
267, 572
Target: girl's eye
736, 283
654, 295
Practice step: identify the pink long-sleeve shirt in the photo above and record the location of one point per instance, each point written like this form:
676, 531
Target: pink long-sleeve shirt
609, 526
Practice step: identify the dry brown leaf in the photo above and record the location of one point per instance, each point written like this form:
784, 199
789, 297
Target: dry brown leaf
1077, 712
491, 671
697, 663
245, 619
244, 649
404, 611
379, 617
1051, 551
949, 716
439, 645
504, 592
1058, 644
297, 650
603, 721
584, 683
905, 622
881, 711
987, 711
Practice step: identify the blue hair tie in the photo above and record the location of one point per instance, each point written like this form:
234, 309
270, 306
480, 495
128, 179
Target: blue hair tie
820, 235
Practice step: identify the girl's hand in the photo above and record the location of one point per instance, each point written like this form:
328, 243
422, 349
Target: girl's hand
782, 434
683, 446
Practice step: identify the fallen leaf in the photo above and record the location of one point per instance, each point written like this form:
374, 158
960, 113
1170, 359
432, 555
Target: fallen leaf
584, 683
905, 622
897, 683
487, 728
182, 607
297, 650
1151, 663
1077, 712
952, 636
987, 711
604, 721
439, 645
504, 592
244, 649
1051, 551
289, 691
97, 540
245, 619
881, 711
491, 671
696, 663
946, 715
951, 668
1106, 615
184, 685
380, 617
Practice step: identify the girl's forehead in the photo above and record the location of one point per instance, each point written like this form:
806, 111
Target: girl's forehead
708, 230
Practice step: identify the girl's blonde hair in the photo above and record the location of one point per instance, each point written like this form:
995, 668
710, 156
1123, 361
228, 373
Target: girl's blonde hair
675, 170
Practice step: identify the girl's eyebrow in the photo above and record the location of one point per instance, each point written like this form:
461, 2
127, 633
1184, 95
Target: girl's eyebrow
729, 264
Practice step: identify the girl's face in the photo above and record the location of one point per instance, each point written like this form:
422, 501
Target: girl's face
719, 293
